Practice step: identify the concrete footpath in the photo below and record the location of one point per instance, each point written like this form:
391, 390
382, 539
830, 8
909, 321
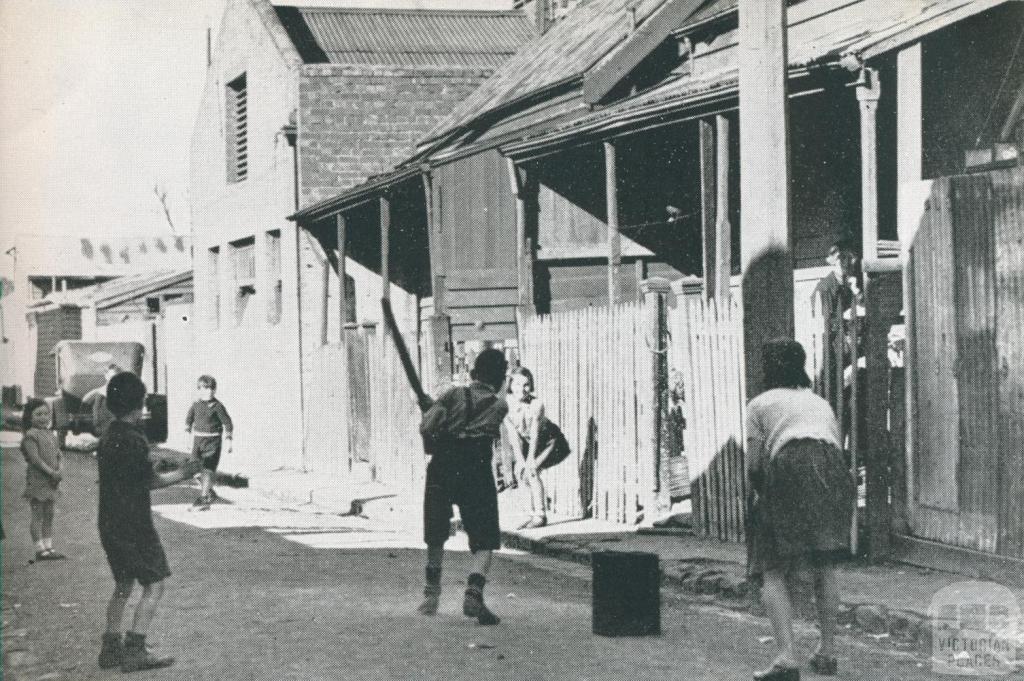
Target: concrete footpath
889, 603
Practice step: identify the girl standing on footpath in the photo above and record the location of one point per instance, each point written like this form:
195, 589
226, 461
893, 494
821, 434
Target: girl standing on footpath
800, 515
40, 449
530, 434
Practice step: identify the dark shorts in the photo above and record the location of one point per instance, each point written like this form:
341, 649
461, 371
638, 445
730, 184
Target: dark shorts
138, 558
462, 478
803, 512
207, 449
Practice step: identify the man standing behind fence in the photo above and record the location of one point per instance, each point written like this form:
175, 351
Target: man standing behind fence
460, 429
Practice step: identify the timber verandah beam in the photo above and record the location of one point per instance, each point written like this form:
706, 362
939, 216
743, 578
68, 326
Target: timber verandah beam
715, 227
525, 191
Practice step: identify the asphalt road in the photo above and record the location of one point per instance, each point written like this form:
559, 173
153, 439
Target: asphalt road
263, 592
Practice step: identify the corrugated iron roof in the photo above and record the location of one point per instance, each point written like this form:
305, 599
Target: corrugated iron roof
114, 290
476, 39
354, 195
564, 53
861, 29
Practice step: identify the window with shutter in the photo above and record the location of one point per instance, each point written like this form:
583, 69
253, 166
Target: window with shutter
237, 129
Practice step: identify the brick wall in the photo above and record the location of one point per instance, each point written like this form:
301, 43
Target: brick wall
358, 121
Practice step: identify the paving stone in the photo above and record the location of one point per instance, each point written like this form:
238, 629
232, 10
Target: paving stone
903, 625
735, 586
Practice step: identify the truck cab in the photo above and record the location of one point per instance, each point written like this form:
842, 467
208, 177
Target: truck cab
80, 403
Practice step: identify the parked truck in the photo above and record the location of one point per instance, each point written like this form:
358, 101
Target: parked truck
81, 367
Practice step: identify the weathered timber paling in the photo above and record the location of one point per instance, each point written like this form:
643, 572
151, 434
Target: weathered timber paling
592, 369
966, 468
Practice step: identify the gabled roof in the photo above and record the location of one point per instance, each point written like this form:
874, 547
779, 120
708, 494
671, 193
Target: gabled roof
393, 37
561, 56
116, 290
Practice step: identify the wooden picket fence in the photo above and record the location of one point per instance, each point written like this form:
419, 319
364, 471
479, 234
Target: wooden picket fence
592, 369
706, 347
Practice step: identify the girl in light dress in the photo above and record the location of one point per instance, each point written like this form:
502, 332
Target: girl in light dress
42, 453
532, 439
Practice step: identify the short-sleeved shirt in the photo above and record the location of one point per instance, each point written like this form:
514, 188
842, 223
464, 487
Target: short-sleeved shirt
125, 476
781, 415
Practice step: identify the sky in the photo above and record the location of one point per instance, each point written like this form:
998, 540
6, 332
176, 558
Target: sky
98, 100
97, 104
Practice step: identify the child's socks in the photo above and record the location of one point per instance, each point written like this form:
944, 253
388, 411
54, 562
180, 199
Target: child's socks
431, 592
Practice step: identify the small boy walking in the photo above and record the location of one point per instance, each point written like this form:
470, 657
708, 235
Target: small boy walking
126, 529
462, 425
209, 422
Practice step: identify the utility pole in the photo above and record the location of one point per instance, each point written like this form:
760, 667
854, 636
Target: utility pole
765, 234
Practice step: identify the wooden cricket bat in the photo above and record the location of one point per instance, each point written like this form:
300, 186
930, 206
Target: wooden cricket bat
403, 354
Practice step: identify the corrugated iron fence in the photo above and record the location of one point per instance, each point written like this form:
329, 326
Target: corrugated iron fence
966, 363
593, 372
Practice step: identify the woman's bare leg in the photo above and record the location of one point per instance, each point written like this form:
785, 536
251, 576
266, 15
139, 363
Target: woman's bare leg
775, 595
826, 601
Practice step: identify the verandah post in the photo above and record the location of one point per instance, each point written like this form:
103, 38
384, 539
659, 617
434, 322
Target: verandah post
764, 181
655, 295
525, 192
614, 238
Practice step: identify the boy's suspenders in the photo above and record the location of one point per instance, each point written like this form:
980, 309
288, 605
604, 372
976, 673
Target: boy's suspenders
468, 393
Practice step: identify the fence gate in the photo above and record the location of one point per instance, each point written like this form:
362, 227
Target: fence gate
384, 419
965, 304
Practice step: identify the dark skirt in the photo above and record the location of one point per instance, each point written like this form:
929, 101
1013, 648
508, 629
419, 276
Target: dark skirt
803, 509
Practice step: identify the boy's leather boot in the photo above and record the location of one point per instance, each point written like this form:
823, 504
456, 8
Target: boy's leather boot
137, 657
473, 602
431, 592
111, 651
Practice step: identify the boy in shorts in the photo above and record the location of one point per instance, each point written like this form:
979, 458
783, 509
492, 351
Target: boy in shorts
462, 425
126, 529
208, 420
